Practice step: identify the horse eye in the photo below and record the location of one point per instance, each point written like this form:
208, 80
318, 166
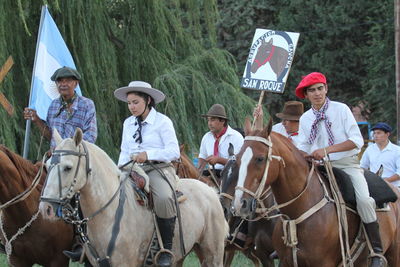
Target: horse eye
67, 168
260, 159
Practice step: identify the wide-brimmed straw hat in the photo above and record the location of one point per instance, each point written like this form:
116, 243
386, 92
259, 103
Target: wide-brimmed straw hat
292, 111
216, 110
139, 86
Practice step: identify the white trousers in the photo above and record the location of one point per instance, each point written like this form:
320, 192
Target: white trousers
365, 203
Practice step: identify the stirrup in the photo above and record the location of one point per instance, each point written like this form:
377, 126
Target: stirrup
160, 252
377, 257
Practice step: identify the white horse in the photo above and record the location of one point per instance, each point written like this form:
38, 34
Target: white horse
83, 167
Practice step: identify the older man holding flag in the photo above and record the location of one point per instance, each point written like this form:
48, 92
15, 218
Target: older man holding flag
55, 100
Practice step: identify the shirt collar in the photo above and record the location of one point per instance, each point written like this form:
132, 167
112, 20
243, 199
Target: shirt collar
150, 119
389, 146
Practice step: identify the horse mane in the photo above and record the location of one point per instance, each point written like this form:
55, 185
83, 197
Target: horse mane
277, 138
25, 168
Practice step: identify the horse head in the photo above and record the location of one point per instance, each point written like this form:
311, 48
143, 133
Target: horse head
229, 177
258, 169
66, 167
263, 55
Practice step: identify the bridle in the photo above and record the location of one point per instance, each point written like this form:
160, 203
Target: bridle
55, 161
260, 194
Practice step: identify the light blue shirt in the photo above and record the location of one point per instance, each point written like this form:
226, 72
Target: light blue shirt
158, 135
389, 157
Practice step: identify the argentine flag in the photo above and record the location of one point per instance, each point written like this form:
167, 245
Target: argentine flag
51, 54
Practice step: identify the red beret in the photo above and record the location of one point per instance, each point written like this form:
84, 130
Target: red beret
307, 81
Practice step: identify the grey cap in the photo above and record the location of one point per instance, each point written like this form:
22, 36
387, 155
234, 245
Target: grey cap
66, 72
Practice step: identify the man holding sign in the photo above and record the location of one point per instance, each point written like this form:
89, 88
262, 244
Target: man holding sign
67, 112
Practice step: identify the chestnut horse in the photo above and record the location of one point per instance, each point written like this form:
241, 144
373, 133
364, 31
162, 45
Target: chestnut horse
260, 230
269, 159
120, 229
30, 238
186, 169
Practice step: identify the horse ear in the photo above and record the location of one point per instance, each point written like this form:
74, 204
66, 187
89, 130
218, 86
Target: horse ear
231, 150
78, 136
247, 126
57, 137
270, 41
182, 148
267, 130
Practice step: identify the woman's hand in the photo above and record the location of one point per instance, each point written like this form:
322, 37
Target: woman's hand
140, 158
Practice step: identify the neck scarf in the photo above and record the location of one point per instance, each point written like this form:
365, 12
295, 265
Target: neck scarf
64, 105
291, 135
138, 134
217, 137
139, 121
321, 116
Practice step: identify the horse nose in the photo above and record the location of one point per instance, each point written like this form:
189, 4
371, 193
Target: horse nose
245, 205
47, 210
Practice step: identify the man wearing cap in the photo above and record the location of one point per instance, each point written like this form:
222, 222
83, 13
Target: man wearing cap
329, 128
215, 143
67, 112
383, 153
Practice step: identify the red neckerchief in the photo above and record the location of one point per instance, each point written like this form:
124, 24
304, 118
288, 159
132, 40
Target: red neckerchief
292, 134
217, 137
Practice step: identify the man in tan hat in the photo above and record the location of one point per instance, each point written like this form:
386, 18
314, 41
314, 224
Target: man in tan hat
67, 112
215, 143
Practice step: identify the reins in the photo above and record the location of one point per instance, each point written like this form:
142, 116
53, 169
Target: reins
22, 196
289, 225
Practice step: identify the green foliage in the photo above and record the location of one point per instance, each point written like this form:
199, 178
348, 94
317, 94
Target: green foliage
171, 44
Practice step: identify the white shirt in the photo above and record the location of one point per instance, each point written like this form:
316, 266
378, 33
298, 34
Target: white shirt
343, 125
159, 138
389, 157
207, 145
279, 128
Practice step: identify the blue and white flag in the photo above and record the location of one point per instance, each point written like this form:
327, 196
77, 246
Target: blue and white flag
51, 54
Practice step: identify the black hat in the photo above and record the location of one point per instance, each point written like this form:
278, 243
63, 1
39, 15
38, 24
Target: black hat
65, 72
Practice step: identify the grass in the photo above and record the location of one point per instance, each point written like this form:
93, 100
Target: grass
191, 261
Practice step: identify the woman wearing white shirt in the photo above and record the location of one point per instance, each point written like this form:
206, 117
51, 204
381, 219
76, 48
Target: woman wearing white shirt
150, 136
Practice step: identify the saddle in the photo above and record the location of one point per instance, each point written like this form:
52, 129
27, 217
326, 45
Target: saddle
140, 184
378, 188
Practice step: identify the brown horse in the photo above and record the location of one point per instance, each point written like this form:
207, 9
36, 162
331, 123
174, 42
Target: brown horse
40, 241
258, 250
186, 169
297, 189
275, 55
